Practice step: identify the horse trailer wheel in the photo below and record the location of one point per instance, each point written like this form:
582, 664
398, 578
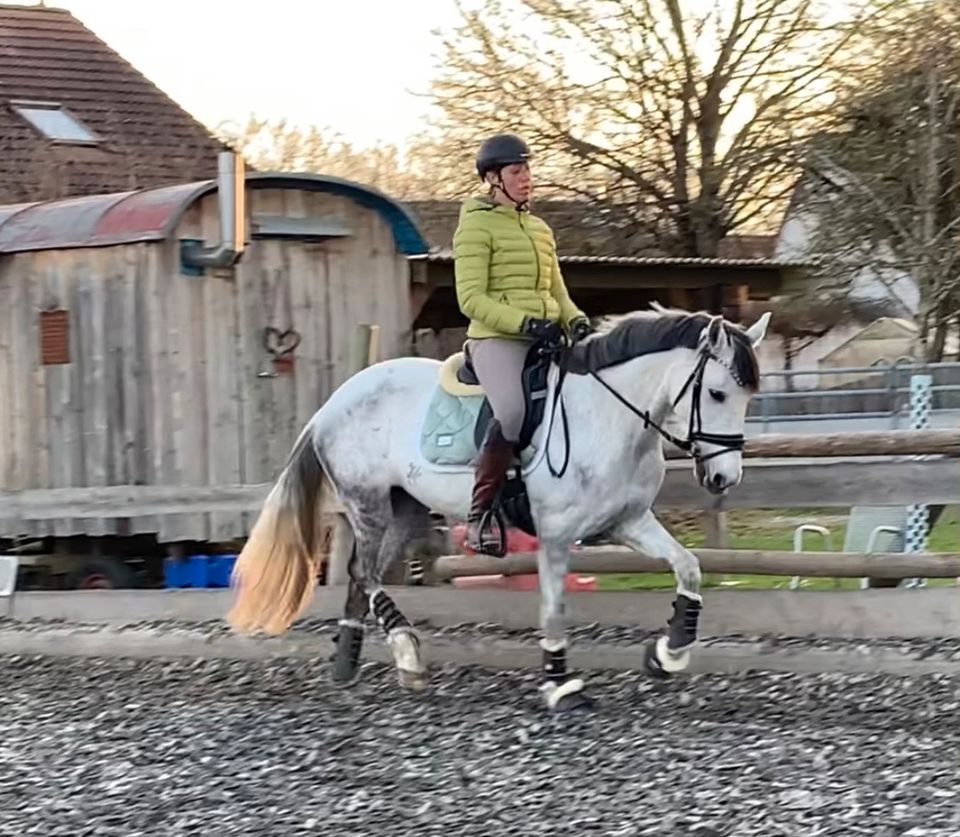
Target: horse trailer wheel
101, 574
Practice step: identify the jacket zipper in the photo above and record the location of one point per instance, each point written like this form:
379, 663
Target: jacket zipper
536, 260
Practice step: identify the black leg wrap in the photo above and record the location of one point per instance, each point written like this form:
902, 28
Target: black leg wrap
387, 613
346, 660
555, 666
684, 622
562, 691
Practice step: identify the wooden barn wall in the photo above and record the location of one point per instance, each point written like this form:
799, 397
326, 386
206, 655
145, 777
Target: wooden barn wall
87, 422
321, 290
169, 382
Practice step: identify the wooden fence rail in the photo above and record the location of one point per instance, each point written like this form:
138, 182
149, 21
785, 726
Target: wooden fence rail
597, 560
796, 470
861, 443
784, 484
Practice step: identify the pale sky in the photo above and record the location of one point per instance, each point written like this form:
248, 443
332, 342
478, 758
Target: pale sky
347, 64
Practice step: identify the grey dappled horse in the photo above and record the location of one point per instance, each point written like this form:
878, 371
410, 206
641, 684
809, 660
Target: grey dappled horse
621, 388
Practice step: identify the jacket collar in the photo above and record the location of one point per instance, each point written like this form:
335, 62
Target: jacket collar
482, 203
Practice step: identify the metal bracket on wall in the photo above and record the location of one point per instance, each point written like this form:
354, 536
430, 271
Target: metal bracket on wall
281, 345
187, 246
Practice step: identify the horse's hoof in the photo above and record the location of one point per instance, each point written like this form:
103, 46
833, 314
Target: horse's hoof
412, 681
567, 697
577, 702
661, 662
344, 674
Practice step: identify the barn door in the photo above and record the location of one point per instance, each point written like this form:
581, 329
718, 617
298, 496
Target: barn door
284, 342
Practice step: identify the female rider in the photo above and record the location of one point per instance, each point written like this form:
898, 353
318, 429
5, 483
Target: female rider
510, 287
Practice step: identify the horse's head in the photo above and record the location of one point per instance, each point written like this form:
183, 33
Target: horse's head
710, 399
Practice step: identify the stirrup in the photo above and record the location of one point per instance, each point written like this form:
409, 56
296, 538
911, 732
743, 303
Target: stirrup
485, 542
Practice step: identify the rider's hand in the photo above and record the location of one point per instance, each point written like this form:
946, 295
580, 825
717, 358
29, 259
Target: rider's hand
545, 331
580, 328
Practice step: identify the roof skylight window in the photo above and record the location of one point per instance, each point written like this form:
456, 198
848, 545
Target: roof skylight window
55, 122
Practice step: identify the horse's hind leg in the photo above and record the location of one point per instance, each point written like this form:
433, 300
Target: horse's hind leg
669, 654
382, 524
409, 521
350, 627
349, 640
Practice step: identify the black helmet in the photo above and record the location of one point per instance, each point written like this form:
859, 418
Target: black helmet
499, 151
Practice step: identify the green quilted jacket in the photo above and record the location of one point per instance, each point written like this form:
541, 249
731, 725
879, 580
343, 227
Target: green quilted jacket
505, 264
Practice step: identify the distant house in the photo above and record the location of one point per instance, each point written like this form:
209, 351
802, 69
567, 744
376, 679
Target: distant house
77, 119
794, 243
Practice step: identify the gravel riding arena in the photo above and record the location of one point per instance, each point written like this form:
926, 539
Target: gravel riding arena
113, 726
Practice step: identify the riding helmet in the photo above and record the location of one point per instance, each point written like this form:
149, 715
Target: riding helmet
499, 151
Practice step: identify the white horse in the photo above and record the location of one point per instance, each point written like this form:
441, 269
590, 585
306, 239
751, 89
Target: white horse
620, 386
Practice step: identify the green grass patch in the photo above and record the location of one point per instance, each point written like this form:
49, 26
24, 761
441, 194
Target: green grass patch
772, 529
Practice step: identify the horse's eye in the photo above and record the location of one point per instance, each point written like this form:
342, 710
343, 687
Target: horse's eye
718, 396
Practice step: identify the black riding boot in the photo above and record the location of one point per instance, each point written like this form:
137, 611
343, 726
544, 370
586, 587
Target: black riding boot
495, 458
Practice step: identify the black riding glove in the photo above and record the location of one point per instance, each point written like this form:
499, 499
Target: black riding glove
580, 328
544, 331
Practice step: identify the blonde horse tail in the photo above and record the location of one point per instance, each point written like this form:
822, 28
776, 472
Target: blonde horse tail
276, 572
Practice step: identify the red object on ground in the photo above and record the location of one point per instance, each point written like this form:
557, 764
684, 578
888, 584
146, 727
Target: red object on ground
517, 541
572, 582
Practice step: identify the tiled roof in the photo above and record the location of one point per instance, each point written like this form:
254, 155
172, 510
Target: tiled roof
445, 256
146, 139
580, 233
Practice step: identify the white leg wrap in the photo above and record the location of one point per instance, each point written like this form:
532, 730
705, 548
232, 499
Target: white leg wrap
670, 661
406, 650
553, 694
350, 623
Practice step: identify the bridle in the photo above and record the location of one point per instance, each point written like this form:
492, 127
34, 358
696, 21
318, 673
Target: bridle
727, 442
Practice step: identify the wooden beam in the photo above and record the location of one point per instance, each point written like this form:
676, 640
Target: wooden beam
842, 484
129, 501
719, 562
765, 485
125, 501
861, 443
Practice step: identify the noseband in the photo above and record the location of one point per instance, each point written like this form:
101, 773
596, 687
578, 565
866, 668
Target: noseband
728, 442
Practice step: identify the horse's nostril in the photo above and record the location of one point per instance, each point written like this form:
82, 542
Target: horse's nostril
718, 480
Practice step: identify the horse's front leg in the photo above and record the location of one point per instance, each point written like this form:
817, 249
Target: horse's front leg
561, 690
670, 653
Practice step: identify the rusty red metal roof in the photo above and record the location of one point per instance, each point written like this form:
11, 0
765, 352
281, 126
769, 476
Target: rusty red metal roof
153, 214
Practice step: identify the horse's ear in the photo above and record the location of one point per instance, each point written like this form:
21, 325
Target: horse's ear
758, 330
715, 336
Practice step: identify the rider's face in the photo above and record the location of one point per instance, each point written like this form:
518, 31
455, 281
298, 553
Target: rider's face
517, 181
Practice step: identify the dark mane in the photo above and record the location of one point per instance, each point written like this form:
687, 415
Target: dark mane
659, 330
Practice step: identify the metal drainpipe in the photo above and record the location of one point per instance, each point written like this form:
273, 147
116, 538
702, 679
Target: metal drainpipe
231, 201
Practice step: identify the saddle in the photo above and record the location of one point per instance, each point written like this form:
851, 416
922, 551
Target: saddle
458, 378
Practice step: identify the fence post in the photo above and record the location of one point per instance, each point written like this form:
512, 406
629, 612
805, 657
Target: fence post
915, 538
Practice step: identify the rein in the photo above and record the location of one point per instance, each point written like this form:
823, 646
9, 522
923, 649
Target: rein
728, 442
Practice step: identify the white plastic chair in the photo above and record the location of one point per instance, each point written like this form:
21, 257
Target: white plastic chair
8, 579
869, 529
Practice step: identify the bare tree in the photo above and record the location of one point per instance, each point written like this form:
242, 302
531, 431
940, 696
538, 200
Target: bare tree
424, 171
688, 117
803, 318
883, 184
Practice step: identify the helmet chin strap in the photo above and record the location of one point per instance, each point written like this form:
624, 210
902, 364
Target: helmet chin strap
520, 205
